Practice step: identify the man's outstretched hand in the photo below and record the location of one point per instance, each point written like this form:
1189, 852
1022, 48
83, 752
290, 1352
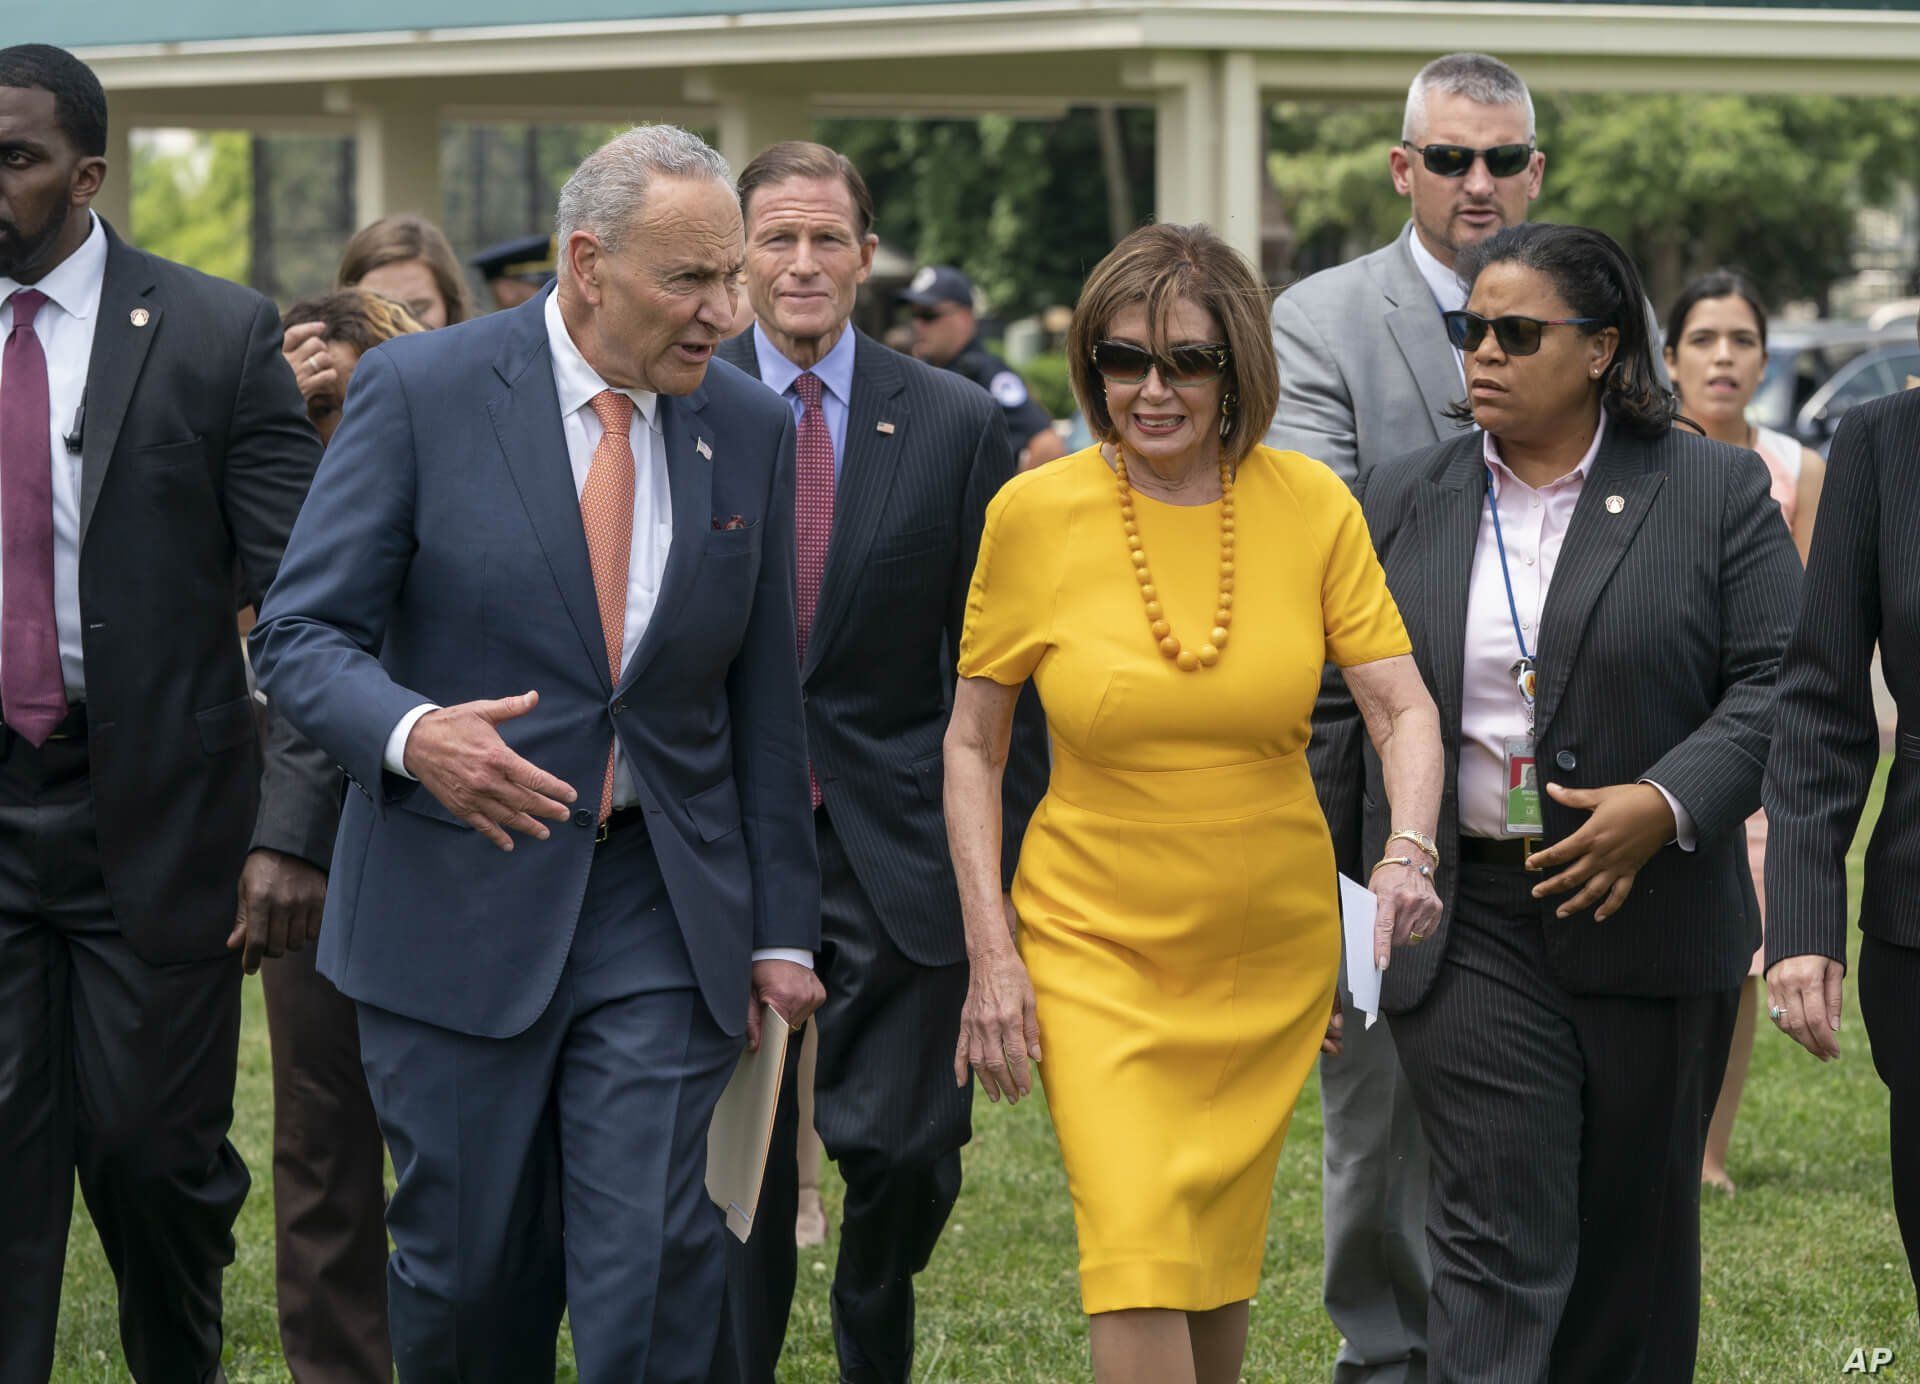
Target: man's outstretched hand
457, 754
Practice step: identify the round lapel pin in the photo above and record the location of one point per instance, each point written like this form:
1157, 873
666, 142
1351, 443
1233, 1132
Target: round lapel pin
139, 317
1615, 504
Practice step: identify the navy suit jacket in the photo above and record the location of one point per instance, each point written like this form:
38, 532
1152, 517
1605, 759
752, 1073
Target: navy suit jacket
878, 672
441, 557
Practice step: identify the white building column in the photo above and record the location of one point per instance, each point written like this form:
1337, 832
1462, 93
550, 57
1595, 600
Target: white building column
749, 121
115, 200
1209, 142
1242, 146
396, 146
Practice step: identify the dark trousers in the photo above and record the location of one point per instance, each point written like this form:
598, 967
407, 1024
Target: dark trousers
329, 1197
564, 1167
115, 1068
1889, 978
891, 1117
1566, 1133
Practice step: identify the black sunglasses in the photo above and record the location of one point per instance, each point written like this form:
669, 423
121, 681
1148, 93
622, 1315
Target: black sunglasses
1454, 160
1122, 362
1518, 336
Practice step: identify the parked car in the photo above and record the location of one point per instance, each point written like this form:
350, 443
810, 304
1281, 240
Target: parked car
1872, 375
1802, 358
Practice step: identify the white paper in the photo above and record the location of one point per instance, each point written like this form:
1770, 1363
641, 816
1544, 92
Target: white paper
741, 1134
1357, 909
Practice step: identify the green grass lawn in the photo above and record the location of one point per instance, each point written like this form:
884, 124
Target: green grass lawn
1804, 1265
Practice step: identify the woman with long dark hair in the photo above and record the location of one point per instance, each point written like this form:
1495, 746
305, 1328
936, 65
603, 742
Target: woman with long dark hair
1598, 601
1717, 353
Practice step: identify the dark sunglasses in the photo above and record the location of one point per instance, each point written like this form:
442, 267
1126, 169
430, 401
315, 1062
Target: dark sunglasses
1518, 336
1122, 362
929, 314
1455, 160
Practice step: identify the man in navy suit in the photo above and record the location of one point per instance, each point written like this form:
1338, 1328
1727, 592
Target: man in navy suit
895, 464
540, 606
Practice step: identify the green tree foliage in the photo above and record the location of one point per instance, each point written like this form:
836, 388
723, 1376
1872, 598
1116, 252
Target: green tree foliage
1021, 205
193, 204
1685, 182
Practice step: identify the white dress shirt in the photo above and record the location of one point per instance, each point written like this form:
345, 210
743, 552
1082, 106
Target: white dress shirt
576, 383
1445, 285
65, 326
1534, 524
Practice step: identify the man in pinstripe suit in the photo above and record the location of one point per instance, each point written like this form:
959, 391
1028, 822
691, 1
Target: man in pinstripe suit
1863, 589
915, 455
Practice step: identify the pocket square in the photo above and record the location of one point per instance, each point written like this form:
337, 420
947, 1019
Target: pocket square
732, 521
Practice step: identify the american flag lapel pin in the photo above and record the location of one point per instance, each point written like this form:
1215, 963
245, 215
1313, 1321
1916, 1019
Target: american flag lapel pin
700, 446
883, 427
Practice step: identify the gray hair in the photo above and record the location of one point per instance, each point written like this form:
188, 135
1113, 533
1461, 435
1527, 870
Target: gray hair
606, 191
1481, 79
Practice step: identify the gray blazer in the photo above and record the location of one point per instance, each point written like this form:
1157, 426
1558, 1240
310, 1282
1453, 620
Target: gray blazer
1366, 373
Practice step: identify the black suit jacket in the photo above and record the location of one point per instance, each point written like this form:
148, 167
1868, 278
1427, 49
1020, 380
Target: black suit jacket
1659, 643
878, 672
195, 458
1863, 588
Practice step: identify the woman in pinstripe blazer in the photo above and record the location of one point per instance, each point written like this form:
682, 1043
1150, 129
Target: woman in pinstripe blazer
1601, 599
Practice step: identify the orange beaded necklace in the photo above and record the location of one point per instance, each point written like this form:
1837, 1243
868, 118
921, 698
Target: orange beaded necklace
1208, 654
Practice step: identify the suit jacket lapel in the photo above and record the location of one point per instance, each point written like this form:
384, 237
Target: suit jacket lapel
119, 352
1597, 538
1417, 331
526, 421
1450, 528
866, 479
738, 351
690, 487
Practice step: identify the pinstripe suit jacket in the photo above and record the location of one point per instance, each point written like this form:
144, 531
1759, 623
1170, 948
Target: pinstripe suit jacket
1659, 642
877, 677
1863, 587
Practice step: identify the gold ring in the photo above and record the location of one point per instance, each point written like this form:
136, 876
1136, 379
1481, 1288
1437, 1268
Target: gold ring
1416, 937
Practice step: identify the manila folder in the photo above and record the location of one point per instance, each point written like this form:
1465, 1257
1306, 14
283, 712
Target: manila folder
742, 1128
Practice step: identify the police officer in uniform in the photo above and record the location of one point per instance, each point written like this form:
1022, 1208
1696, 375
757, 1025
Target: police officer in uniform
516, 270
945, 334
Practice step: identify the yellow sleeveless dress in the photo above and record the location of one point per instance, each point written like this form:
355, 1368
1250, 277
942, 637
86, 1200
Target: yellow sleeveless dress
1176, 894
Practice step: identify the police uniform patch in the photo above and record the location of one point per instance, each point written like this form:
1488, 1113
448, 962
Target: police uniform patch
1008, 388
922, 281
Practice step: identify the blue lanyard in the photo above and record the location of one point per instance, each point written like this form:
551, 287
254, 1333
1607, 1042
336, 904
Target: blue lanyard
1523, 671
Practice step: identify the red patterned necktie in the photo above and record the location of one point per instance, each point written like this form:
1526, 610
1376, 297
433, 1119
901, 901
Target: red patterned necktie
812, 519
606, 511
33, 693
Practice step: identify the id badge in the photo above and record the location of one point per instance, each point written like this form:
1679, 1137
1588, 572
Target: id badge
1523, 786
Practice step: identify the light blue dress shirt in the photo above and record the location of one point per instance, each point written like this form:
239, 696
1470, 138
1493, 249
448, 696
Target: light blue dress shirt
836, 373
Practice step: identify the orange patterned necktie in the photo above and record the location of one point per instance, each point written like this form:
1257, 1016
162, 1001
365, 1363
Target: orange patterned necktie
606, 509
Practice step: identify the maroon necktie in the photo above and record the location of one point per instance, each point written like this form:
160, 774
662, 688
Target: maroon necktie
33, 694
812, 518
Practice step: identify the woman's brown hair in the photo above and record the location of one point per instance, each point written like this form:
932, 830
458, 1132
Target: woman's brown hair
392, 239
357, 316
1158, 266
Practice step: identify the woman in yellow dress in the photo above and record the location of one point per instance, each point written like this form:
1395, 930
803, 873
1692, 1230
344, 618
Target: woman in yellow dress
1174, 593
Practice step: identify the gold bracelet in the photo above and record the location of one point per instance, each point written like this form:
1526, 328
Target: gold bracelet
1424, 871
1418, 839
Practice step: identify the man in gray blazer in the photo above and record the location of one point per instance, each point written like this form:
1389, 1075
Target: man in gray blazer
1366, 373
896, 463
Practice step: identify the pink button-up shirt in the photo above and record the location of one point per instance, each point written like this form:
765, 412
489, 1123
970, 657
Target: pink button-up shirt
1534, 524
